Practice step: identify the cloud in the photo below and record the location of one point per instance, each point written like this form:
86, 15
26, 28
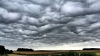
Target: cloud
33, 21
72, 8
7, 17
42, 2
48, 22
94, 27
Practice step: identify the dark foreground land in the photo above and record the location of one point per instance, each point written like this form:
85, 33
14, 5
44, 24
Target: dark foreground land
50, 52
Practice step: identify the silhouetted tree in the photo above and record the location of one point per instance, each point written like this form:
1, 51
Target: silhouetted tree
10, 52
2, 49
24, 49
91, 48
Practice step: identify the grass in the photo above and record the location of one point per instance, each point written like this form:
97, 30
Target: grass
98, 53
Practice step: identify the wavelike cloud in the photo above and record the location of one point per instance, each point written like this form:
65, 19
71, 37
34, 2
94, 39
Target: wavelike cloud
48, 21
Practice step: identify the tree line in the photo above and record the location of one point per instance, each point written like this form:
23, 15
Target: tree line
5, 51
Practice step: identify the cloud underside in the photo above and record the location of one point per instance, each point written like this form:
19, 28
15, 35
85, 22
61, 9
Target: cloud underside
34, 23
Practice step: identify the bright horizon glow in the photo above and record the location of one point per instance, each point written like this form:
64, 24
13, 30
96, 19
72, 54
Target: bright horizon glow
71, 46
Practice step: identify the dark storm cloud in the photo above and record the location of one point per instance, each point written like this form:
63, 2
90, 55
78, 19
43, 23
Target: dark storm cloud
46, 22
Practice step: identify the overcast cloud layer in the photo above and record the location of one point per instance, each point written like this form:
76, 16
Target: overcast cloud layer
44, 24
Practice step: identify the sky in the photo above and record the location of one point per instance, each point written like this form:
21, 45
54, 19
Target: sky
50, 24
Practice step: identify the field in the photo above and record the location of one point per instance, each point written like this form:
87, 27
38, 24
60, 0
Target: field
49, 52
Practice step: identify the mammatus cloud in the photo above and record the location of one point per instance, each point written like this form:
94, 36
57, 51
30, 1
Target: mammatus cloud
48, 22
